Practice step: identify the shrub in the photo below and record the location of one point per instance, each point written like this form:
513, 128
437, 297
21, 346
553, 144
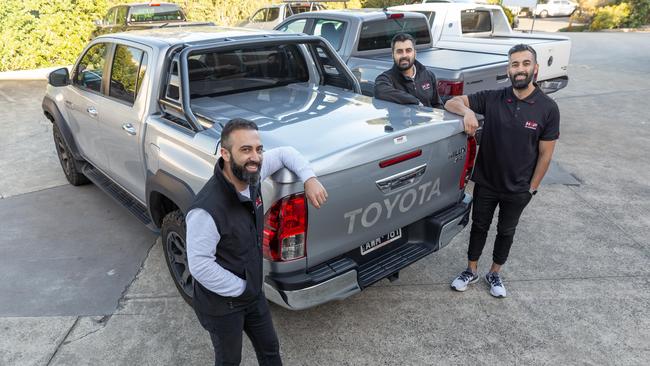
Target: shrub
609, 17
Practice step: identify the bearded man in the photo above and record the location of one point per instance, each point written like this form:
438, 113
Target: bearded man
224, 243
519, 133
408, 81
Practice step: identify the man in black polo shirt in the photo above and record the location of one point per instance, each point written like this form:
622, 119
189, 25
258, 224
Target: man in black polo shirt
408, 81
519, 133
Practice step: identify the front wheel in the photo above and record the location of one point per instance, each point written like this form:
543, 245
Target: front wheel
68, 164
543, 14
175, 248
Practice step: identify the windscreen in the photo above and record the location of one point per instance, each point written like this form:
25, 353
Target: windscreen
227, 72
377, 34
156, 13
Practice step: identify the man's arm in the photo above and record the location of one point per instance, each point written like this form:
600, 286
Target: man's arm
202, 240
385, 90
460, 106
287, 156
543, 161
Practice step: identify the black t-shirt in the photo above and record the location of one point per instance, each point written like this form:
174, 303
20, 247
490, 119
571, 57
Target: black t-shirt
510, 138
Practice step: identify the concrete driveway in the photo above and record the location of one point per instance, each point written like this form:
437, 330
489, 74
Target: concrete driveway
577, 277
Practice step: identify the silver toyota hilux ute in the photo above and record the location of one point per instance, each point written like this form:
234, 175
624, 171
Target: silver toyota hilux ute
140, 116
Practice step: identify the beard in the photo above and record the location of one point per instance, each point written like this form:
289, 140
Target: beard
240, 172
398, 63
521, 84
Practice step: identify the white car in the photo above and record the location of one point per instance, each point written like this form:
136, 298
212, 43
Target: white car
555, 8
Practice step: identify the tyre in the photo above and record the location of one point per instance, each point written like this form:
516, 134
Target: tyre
68, 164
543, 14
173, 241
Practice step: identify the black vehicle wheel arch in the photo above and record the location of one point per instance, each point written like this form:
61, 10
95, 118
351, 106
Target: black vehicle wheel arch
52, 112
167, 193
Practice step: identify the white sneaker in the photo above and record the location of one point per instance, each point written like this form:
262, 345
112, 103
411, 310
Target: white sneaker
463, 280
497, 289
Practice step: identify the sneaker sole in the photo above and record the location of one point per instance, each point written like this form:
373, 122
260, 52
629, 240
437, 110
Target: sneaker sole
466, 287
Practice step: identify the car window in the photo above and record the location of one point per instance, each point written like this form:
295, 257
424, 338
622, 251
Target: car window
90, 69
475, 21
156, 13
260, 16
110, 16
127, 71
331, 30
214, 73
297, 26
331, 70
121, 15
377, 34
272, 14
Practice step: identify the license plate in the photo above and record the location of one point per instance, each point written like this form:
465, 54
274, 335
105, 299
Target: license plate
381, 241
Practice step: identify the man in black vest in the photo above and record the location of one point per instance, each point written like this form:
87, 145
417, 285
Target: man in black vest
521, 127
408, 81
224, 243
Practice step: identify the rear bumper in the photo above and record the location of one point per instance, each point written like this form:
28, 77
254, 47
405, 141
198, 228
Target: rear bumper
553, 85
343, 277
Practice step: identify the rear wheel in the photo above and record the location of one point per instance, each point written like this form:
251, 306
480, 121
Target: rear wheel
543, 14
68, 164
174, 245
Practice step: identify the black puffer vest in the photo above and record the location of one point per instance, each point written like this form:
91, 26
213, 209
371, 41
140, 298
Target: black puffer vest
240, 222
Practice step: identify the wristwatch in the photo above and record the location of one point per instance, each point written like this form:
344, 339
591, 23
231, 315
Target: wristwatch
532, 192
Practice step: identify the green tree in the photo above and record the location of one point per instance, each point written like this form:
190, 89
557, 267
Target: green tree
37, 34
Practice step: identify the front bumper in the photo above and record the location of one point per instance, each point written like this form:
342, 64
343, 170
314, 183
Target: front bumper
343, 277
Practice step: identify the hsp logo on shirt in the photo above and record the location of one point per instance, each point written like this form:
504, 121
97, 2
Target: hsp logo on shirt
531, 124
426, 86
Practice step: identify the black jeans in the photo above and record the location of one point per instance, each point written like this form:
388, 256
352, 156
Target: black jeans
511, 205
226, 334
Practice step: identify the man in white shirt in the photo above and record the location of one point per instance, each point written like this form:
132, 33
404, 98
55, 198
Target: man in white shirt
224, 243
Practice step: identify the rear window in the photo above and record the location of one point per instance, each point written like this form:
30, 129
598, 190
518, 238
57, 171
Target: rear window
377, 34
475, 21
240, 70
158, 13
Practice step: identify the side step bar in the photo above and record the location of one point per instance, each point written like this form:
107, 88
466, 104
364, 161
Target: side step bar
119, 195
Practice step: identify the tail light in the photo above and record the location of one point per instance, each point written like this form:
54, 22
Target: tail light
470, 156
450, 88
395, 16
285, 229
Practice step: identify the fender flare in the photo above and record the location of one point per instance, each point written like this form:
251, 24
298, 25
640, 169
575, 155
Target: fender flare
52, 112
169, 186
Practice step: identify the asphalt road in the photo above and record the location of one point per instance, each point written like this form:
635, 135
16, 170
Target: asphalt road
577, 276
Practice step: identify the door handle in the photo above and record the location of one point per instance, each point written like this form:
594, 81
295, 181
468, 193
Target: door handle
69, 104
129, 129
92, 111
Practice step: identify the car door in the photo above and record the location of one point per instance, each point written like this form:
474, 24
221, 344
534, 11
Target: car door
123, 111
82, 100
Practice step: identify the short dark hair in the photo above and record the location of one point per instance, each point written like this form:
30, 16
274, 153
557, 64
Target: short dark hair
234, 125
401, 37
521, 48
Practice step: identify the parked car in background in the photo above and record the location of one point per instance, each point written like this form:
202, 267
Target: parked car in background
362, 38
270, 16
485, 28
555, 8
134, 16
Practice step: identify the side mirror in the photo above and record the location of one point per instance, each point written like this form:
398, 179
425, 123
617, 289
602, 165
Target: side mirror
98, 22
59, 77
